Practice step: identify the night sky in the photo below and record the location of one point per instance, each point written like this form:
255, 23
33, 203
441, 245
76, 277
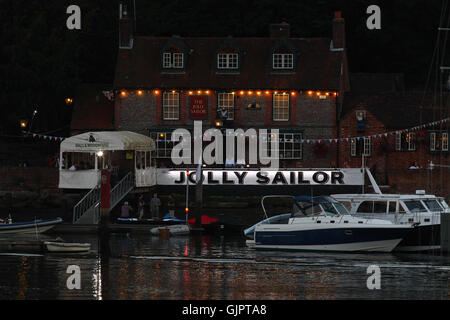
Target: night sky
42, 62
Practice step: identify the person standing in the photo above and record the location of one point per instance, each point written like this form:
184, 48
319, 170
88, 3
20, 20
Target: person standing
155, 203
171, 205
141, 205
126, 209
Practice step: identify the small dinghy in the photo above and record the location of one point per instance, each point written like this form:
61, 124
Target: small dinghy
67, 247
174, 230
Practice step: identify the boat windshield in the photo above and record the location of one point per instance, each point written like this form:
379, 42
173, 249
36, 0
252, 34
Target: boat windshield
443, 204
415, 206
432, 205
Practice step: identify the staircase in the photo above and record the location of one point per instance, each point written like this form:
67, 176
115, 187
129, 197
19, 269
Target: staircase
87, 210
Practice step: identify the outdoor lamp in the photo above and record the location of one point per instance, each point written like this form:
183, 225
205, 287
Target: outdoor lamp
68, 101
100, 153
23, 123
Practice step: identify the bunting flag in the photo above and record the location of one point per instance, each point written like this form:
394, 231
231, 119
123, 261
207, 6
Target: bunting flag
45, 137
109, 94
379, 135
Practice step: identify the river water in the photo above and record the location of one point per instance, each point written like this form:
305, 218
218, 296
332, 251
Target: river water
217, 267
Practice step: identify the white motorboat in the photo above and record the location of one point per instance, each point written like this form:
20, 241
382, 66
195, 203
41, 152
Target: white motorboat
420, 208
323, 224
67, 247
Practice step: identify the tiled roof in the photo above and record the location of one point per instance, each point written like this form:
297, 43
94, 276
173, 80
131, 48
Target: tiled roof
317, 67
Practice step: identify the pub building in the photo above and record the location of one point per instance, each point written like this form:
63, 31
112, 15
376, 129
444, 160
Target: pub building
293, 84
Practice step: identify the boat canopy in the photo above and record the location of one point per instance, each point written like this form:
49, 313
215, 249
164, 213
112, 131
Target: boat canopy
107, 140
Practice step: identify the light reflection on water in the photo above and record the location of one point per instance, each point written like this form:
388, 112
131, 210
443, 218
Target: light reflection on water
214, 267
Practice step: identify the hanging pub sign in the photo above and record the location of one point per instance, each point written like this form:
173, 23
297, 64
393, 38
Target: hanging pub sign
351, 176
198, 107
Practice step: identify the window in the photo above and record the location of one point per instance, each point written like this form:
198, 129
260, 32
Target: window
173, 60
361, 147
290, 145
225, 104
227, 61
405, 141
280, 110
439, 141
171, 106
164, 144
365, 207
379, 206
283, 61
392, 206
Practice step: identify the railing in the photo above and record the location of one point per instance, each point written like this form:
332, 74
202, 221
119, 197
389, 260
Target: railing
122, 188
89, 201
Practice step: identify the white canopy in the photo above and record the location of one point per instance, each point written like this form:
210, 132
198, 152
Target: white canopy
107, 140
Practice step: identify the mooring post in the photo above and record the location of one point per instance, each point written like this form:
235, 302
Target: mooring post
103, 231
198, 204
445, 232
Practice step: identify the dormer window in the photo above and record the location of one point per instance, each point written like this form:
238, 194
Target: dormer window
283, 61
172, 60
227, 61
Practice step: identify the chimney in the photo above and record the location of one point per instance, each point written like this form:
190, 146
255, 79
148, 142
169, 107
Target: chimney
338, 31
125, 28
279, 30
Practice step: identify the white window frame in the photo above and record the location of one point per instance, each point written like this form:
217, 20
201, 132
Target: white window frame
444, 141
353, 147
398, 141
280, 112
226, 100
227, 61
282, 61
294, 140
411, 144
367, 147
171, 105
173, 60
432, 141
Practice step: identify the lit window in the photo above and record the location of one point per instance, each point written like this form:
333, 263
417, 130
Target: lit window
405, 141
283, 61
226, 105
439, 141
171, 106
164, 144
280, 107
227, 61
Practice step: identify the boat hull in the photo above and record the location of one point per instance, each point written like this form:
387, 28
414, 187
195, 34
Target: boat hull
422, 238
28, 227
346, 238
65, 247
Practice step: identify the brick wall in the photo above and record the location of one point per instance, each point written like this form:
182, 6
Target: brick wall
29, 178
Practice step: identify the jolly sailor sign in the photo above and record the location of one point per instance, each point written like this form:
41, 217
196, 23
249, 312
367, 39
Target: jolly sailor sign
263, 178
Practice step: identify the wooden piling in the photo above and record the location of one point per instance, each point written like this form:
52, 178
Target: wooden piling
445, 232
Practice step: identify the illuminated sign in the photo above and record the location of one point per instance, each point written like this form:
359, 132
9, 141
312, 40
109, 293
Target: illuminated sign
262, 177
198, 107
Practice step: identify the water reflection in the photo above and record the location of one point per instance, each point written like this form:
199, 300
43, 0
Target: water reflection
207, 267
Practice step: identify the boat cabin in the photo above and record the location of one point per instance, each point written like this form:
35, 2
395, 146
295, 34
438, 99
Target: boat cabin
313, 206
84, 156
392, 203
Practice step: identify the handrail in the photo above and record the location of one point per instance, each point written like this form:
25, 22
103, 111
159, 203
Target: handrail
91, 201
86, 203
